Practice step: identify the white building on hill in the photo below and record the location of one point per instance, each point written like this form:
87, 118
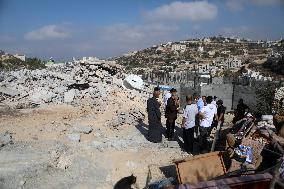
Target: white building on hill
178, 47
232, 63
21, 57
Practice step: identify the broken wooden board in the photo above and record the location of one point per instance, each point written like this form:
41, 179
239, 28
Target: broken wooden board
200, 168
258, 181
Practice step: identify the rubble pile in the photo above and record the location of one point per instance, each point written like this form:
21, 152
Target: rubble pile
61, 84
279, 93
259, 137
130, 118
278, 104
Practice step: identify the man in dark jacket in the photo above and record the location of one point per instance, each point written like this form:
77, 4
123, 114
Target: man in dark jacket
154, 117
171, 114
242, 108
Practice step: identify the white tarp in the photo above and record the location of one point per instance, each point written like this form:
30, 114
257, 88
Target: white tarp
133, 81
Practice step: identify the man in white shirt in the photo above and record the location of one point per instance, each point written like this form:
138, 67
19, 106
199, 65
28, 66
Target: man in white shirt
167, 95
207, 114
188, 123
215, 101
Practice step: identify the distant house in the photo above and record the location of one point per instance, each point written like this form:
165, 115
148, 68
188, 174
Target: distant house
178, 47
21, 57
211, 53
200, 49
219, 61
203, 68
232, 63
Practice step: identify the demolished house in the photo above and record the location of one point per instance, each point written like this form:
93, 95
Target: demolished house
61, 84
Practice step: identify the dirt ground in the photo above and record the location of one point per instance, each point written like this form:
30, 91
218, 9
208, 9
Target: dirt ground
128, 151
53, 122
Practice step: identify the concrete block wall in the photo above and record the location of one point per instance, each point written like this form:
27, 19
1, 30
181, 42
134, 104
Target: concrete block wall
247, 93
222, 91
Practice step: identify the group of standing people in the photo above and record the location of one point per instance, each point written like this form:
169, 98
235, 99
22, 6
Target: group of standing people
199, 116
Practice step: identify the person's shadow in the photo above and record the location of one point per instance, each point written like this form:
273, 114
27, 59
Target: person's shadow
143, 128
179, 136
179, 139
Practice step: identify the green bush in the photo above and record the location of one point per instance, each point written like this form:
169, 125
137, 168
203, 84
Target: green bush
15, 64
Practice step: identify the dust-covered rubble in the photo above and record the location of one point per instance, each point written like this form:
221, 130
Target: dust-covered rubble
61, 84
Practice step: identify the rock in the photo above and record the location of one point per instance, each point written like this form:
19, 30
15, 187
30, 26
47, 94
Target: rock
75, 137
5, 138
9, 92
99, 74
41, 95
69, 96
60, 90
82, 129
64, 162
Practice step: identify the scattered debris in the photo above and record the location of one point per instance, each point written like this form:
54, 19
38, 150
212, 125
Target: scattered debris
5, 138
62, 84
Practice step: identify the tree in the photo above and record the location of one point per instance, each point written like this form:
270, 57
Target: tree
265, 93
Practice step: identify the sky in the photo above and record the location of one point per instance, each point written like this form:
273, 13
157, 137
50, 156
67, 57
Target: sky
63, 29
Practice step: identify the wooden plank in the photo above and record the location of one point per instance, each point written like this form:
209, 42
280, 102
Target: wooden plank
200, 168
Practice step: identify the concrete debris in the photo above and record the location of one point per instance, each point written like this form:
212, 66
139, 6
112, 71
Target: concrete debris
69, 96
132, 117
279, 94
67, 83
9, 92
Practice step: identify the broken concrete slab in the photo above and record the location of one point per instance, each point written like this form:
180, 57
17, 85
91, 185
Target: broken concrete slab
41, 95
69, 96
9, 92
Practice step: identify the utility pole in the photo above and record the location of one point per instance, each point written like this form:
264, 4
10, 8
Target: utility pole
233, 94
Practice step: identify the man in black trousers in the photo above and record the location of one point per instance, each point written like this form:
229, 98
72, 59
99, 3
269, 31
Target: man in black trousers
171, 114
188, 123
154, 117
